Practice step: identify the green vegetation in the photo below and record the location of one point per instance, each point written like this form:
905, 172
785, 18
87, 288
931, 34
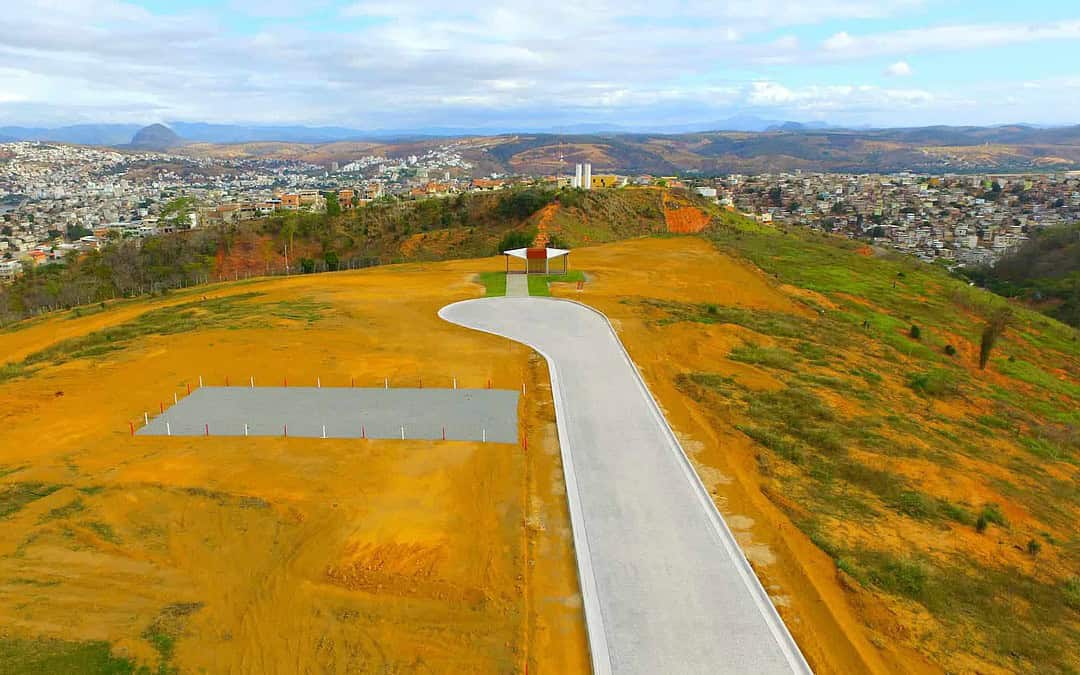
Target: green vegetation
386, 231
66, 511
494, 283
58, 657
14, 496
886, 369
166, 629
232, 312
769, 357
1044, 271
539, 283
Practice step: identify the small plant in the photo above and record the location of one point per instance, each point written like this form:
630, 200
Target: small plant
712, 309
991, 513
915, 332
950, 350
1033, 547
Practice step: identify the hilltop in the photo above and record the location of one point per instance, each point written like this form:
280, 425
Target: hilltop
155, 137
907, 510
467, 225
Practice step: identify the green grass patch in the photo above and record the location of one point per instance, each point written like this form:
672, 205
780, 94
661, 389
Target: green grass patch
539, 283
937, 382
66, 511
103, 530
60, 657
230, 312
494, 283
770, 357
14, 496
167, 628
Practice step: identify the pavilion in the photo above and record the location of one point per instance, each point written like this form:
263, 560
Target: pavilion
537, 260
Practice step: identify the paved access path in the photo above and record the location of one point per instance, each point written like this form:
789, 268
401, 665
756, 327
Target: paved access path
517, 286
666, 588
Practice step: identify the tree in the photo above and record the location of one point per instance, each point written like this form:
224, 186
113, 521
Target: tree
776, 196
332, 261
991, 332
307, 265
333, 207
516, 239
78, 232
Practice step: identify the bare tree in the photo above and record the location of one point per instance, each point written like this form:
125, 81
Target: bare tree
995, 326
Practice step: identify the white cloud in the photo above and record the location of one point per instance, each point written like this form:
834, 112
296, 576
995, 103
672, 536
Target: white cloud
949, 38
899, 69
838, 41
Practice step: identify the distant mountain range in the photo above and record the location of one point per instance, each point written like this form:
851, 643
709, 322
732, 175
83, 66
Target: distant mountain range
735, 145
202, 132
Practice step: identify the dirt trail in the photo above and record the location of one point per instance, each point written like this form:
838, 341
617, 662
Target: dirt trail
287, 555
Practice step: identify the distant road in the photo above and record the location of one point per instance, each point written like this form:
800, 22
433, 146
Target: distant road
666, 588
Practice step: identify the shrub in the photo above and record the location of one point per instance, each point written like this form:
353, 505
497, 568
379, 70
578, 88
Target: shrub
991, 513
1033, 547
516, 239
915, 332
935, 382
950, 350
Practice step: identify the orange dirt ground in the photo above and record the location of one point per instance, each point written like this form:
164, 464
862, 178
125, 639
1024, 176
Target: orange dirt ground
682, 217
826, 620
267, 555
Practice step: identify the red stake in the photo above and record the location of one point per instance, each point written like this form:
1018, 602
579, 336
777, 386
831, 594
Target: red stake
421, 381
189, 389
132, 425
525, 442
286, 381
489, 383
286, 431
444, 433
207, 429
226, 380
161, 407
352, 382
363, 432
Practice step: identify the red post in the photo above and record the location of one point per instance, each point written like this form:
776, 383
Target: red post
208, 429
444, 433
161, 407
352, 382
489, 383
525, 442
286, 379
226, 380
132, 425
363, 432
286, 431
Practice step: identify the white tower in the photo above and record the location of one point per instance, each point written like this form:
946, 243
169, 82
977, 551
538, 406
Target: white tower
577, 177
587, 178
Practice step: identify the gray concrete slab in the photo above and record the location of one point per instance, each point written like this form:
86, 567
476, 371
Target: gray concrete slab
467, 414
517, 286
666, 587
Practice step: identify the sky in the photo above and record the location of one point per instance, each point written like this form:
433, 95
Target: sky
382, 64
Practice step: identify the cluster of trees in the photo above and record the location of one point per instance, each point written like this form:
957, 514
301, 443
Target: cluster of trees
121, 269
1045, 270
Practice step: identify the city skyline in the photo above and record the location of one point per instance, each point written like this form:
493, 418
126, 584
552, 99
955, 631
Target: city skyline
374, 65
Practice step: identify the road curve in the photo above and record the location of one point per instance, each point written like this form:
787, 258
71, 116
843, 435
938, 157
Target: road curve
665, 586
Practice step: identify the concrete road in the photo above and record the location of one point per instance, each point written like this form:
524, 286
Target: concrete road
517, 286
666, 588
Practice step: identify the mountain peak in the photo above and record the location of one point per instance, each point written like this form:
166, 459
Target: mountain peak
155, 137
